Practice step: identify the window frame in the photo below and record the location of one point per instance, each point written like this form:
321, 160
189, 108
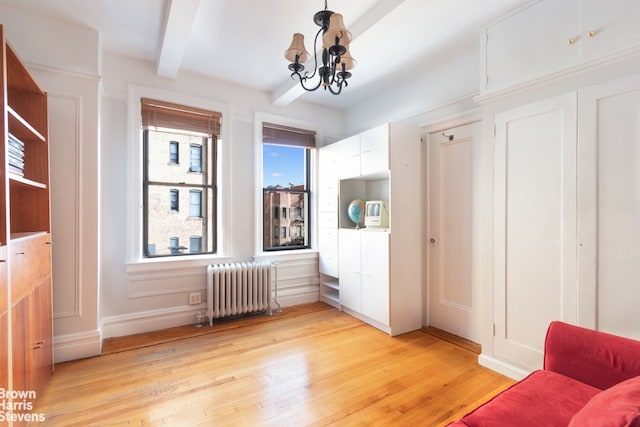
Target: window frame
175, 144
259, 118
172, 192
135, 260
190, 122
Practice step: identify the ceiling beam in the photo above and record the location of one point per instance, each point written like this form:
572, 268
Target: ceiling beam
180, 17
290, 90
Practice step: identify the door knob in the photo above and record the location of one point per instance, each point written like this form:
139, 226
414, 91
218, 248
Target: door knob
433, 241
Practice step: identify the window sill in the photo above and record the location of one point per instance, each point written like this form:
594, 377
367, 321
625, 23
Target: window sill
145, 265
294, 254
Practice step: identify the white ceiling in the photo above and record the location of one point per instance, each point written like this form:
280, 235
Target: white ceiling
243, 40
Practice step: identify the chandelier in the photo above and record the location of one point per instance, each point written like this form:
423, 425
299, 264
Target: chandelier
336, 59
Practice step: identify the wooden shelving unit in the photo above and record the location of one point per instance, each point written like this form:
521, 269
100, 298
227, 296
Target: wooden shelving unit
26, 358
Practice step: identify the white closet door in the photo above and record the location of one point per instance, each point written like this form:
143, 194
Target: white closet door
451, 231
534, 226
609, 197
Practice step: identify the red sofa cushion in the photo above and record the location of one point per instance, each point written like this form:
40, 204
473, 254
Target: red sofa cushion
618, 406
544, 398
593, 357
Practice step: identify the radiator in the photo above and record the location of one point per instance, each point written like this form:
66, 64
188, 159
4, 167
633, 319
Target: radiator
238, 288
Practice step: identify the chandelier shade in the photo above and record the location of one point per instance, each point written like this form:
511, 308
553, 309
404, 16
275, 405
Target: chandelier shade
347, 60
297, 52
336, 33
331, 73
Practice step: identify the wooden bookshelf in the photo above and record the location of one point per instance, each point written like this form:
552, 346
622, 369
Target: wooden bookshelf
25, 227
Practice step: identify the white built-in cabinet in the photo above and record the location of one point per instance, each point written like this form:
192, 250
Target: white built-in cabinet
378, 270
328, 165
561, 104
546, 39
534, 234
608, 217
566, 217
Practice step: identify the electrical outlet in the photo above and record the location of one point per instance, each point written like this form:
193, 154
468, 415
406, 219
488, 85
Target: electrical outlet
194, 298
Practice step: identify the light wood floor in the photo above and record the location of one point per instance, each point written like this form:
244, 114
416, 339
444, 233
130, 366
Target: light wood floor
314, 366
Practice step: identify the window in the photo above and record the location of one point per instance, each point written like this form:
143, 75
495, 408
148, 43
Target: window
174, 200
286, 159
195, 244
168, 129
173, 152
174, 245
195, 203
195, 156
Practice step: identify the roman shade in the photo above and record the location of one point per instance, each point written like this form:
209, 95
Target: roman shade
160, 114
287, 135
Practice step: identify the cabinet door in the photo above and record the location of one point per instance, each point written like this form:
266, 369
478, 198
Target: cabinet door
349, 269
609, 26
349, 157
22, 344
374, 150
328, 251
531, 43
41, 317
3, 280
609, 207
4, 352
534, 226
375, 275
328, 166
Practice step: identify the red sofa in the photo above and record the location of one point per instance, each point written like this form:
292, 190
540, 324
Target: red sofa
589, 379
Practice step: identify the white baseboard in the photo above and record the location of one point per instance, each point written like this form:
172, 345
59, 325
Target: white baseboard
76, 346
502, 367
301, 295
153, 320
147, 321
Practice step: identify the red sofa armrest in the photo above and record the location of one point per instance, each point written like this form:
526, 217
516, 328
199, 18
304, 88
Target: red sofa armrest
592, 357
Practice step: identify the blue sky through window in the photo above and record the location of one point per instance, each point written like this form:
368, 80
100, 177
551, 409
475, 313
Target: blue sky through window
282, 165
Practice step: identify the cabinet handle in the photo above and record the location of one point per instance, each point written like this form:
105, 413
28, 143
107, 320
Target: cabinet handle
48, 243
571, 41
591, 33
39, 344
19, 253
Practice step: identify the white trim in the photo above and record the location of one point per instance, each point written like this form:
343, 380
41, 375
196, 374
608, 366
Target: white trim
75, 74
259, 118
77, 251
608, 60
304, 294
151, 320
77, 346
502, 367
456, 120
134, 178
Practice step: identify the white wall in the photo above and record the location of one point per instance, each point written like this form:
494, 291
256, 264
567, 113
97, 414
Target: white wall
444, 91
143, 296
96, 292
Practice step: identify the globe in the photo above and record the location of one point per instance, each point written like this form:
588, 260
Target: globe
356, 212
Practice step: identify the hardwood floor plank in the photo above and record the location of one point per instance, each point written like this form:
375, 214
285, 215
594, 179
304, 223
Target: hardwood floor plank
317, 366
